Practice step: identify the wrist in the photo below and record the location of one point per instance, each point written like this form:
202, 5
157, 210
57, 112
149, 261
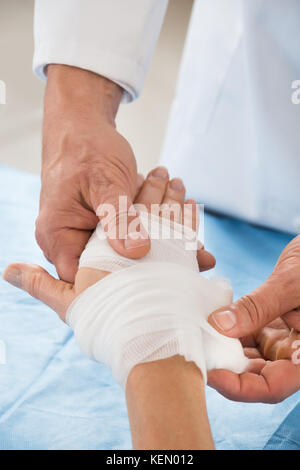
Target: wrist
78, 91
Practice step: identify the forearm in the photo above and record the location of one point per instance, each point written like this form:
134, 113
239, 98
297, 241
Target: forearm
72, 93
165, 398
166, 406
85, 163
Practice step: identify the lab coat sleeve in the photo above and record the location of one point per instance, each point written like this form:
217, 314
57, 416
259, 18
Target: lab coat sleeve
113, 38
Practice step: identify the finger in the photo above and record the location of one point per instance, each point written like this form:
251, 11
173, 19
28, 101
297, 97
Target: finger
268, 340
276, 345
282, 378
247, 387
191, 216
275, 382
70, 243
286, 349
140, 182
251, 312
248, 341
205, 260
67, 265
62, 238
292, 319
278, 324
121, 223
172, 203
153, 189
39, 284
252, 353
175, 192
256, 364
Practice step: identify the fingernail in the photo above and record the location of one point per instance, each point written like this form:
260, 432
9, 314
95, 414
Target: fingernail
160, 172
177, 184
224, 320
134, 240
13, 276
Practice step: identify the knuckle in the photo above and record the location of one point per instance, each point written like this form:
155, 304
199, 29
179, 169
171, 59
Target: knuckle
156, 183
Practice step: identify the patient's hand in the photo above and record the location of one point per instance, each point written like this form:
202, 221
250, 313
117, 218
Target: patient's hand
58, 294
275, 372
278, 298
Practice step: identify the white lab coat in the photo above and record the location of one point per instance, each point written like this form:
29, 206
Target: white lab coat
234, 131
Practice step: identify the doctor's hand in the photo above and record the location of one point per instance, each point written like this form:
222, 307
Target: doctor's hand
274, 372
278, 296
59, 294
86, 162
275, 302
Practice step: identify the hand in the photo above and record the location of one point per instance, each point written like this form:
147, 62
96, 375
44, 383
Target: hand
86, 162
274, 372
58, 294
274, 304
278, 296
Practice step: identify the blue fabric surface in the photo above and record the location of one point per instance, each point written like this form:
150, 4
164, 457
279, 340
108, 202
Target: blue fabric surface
51, 397
287, 436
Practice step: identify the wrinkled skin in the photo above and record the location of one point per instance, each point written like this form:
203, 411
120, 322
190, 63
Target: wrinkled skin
268, 320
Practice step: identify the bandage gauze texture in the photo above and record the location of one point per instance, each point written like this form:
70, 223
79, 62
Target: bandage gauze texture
152, 308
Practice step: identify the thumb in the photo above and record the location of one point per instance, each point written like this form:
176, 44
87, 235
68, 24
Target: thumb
68, 248
251, 312
121, 223
39, 284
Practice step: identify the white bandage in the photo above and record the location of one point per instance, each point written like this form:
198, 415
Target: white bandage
151, 309
170, 242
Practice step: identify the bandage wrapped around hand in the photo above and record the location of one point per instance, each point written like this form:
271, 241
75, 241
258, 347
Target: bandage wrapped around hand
152, 308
